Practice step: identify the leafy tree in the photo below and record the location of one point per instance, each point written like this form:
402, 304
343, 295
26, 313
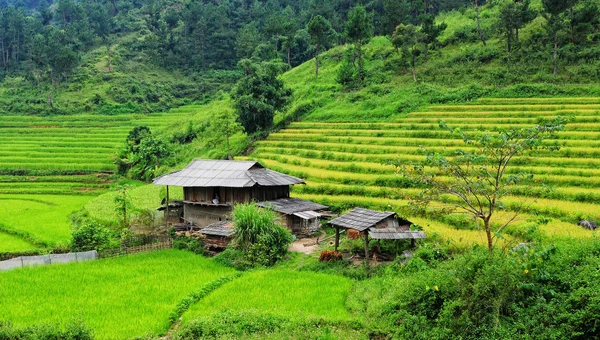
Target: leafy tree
479, 30
480, 179
321, 33
123, 205
359, 30
222, 128
405, 39
555, 13
430, 32
259, 94
142, 154
395, 12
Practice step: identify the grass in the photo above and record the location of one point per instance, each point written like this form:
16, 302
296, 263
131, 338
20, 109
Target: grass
285, 293
11, 244
118, 298
45, 217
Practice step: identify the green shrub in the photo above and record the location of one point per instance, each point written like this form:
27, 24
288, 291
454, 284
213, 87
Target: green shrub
92, 236
258, 236
193, 244
72, 331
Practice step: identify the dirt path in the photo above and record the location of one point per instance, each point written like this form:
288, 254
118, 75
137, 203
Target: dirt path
306, 245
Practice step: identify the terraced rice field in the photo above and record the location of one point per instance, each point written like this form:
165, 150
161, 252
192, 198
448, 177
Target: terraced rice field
344, 163
54, 166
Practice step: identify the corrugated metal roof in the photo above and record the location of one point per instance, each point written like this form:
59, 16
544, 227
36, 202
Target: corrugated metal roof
361, 219
289, 206
219, 229
307, 215
394, 234
230, 174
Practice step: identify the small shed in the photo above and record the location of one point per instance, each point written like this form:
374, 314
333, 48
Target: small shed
377, 224
300, 216
218, 235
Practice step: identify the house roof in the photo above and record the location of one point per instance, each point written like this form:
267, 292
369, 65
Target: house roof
394, 234
219, 229
290, 206
361, 219
230, 174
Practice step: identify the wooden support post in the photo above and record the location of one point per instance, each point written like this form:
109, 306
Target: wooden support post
367, 245
412, 243
337, 238
167, 214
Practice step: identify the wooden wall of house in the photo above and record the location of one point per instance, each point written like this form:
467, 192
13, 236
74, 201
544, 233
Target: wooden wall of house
216, 242
236, 195
203, 216
174, 216
390, 222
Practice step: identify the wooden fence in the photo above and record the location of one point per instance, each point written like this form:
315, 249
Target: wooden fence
138, 244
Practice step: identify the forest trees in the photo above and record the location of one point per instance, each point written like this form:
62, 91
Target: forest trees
430, 32
321, 34
259, 94
359, 30
555, 12
512, 17
405, 39
480, 177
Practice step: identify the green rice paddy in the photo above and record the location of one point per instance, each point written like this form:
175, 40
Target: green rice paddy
51, 167
344, 162
118, 298
288, 293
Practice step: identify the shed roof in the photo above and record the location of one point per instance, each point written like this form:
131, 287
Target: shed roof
361, 219
289, 206
307, 215
219, 229
230, 174
394, 234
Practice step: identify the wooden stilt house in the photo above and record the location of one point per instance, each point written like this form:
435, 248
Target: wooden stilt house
212, 187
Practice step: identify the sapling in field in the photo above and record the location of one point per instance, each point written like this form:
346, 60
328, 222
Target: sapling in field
479, 178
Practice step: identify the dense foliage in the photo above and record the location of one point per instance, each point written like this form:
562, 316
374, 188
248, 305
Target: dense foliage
536, 292
259, 95
259, 240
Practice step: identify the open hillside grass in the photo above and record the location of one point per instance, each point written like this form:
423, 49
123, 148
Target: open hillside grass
285, 293
344, 161
118, 298
145, 197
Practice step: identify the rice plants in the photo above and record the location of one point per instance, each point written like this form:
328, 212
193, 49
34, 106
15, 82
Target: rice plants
285, 293
46, 217
118, 298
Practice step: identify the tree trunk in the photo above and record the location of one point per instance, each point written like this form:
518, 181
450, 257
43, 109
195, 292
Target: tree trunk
488, 233
228, 145
412, 67
289, 56
317, 61
50, 101
425, 7
359, 61
108, 64
426, 51
571, 26
555, 54
481, 36
517, 34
